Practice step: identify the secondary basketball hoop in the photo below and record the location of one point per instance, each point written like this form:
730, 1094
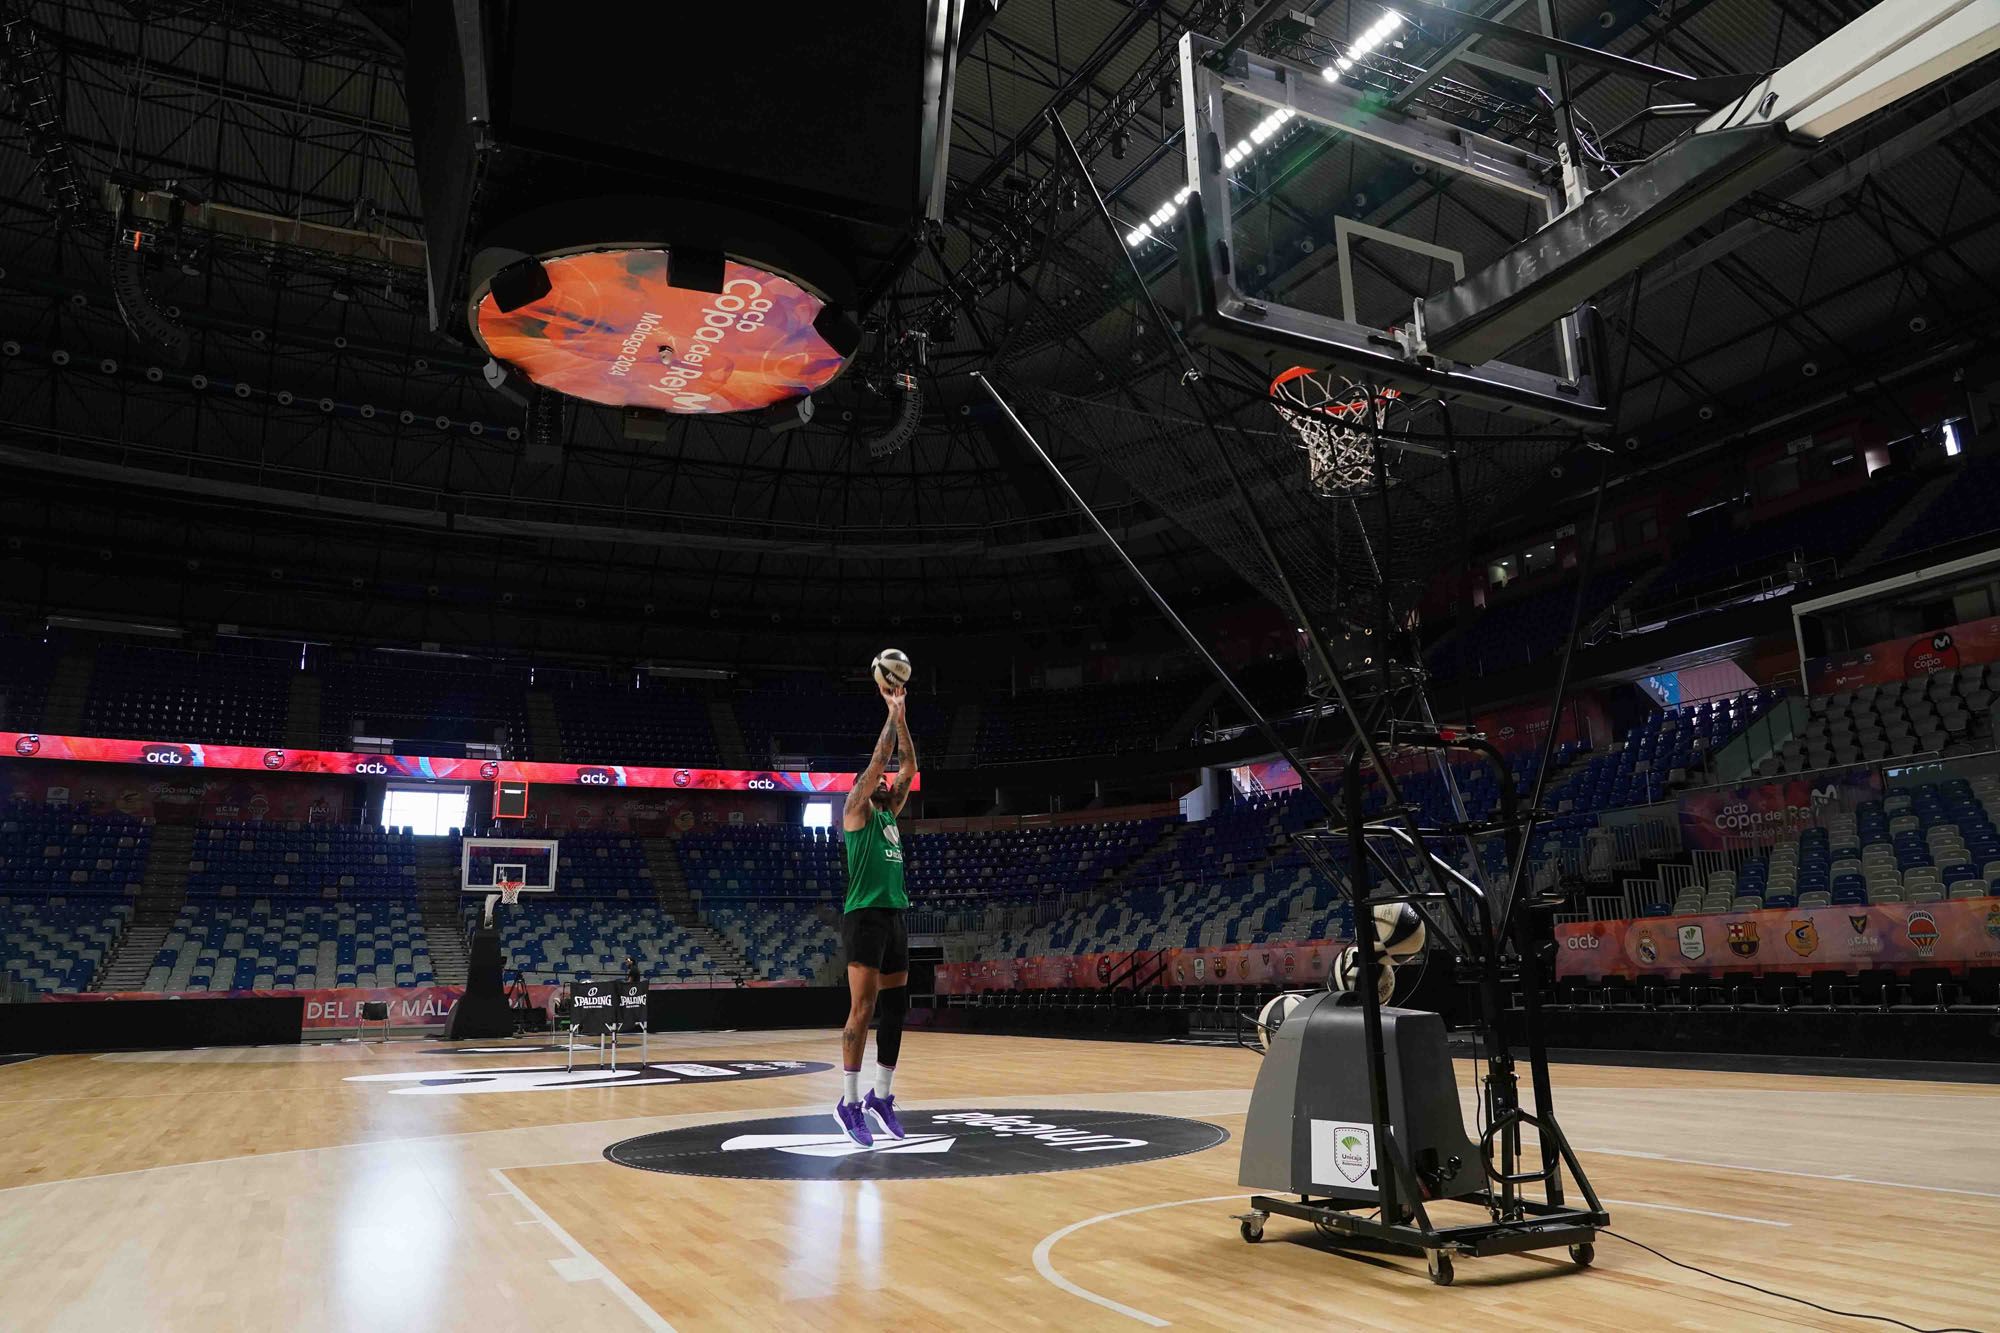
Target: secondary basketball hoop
1330, 414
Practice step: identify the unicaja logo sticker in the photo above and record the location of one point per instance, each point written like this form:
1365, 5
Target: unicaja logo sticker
682, 777
274, 758
489, 770
27, 745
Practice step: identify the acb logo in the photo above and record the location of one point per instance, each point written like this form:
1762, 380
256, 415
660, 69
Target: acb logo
1580, 942
594, 777
372, 768
172, 756
761, 784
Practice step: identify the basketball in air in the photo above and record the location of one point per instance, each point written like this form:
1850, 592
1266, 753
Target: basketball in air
1347, 971
891, 667
1399, 931
1274, 1013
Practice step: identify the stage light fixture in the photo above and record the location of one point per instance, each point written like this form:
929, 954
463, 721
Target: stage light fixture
694, 270
522, 282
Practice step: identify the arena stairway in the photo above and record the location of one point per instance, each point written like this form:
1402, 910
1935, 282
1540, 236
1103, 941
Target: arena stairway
162, 890
69, 687
302, 712
729, 735
961, 747
1177, 733
544, 728
670, 887
729, 960
125, 967
443, 907
1899, 522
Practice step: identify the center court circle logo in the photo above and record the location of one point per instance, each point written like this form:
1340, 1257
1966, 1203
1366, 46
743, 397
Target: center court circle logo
941, 1145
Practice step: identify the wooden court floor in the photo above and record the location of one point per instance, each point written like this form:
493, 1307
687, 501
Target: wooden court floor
266, 1189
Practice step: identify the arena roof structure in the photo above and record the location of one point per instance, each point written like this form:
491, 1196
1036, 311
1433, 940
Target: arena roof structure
307, 452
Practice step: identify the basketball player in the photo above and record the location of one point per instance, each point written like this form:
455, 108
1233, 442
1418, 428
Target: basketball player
872, 930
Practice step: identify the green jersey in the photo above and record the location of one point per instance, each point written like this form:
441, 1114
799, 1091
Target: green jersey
875, 864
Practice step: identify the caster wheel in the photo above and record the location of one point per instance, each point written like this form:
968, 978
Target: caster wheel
1584, 1254
1253, 1231
1440, 1266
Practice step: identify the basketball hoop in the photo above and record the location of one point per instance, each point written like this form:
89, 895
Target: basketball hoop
510, 892
1329, 414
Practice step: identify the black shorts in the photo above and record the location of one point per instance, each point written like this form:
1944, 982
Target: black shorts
875, 937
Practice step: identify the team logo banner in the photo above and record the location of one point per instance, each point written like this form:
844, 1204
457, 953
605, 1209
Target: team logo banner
1957, 935
175, 756
941, 1144
1303, 963
1712, 819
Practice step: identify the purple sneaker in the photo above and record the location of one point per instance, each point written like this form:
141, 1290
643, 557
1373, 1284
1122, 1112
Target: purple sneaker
853, 1122
884, 1111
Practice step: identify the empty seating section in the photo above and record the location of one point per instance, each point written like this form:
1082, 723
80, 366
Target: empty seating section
477, 702
951, 869
1946, 712
599, 867
775, 862
262, 945
651, 722
25, 666
754, 862
1110, 718
557, 941
1513, 631
783, 941
57, 945
54, 853
1657, 754
1834, 529
301, 863
824, 718
146, 693
1970, 505
1294, 905
1916, 845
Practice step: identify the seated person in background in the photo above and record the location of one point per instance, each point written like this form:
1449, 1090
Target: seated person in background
631, 970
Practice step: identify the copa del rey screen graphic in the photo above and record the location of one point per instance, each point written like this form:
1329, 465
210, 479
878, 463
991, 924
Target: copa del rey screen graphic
613, 331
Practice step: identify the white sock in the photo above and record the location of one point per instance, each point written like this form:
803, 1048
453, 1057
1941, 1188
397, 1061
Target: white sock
884, 1075
851, 1087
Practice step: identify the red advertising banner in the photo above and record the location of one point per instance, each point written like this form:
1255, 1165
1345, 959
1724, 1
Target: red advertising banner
1714, 818
1281, 963
1958, 934
179, 757
1904, 659
409, 1006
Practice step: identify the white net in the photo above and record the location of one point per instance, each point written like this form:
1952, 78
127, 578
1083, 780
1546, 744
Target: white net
1329, 415
510, 891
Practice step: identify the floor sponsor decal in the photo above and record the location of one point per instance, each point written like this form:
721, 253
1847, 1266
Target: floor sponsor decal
555, 1078
941, 1144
